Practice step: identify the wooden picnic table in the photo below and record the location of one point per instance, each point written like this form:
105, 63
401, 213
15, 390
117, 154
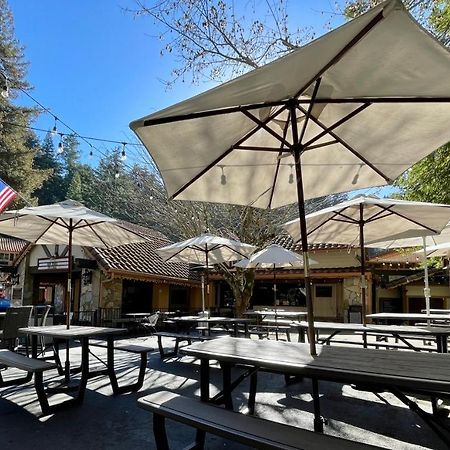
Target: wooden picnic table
261, 313
400, 332
385, 317
397, 372
83, 334
226, 321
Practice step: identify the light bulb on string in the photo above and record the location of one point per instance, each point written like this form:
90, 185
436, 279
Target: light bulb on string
291, 175
117, 174
91, 153
61, 145
223, 177
123, 155
55, 128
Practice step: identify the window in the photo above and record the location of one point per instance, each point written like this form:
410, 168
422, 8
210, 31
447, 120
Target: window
324, 291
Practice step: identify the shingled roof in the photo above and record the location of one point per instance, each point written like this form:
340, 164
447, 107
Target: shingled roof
287, 242
142, 260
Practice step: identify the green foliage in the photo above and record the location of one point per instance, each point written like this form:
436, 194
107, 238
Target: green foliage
18, 146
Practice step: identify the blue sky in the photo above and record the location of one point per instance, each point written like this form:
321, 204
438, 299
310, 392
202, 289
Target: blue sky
98, 68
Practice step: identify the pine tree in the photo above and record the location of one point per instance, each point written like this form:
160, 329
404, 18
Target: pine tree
18, 146
52, 189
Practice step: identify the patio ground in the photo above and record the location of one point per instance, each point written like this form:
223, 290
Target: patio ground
107, 422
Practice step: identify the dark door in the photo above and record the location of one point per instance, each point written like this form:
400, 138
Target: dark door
136, 296
416, 304
178, 298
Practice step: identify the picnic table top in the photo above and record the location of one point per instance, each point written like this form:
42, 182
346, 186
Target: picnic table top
139, 314
397, 329
409, 370
210, 319
409, 316
61, 331
276, 313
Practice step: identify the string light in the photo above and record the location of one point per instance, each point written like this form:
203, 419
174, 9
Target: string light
117, 174
61, 145
223, 177
55, 128
123, 156
291, 175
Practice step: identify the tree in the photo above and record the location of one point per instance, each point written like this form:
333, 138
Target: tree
52, 190
216, 40
18, 146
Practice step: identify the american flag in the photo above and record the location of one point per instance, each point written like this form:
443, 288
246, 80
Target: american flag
7, 195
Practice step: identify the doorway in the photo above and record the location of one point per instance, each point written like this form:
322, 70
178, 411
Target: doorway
137, 296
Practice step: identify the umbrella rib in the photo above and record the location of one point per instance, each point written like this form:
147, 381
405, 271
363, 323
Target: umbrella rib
219, 158
415, 222
263, 125
333, 217
98, 236
348, 147
260, 149
337, 124
213, 112
324, 144
377, 100
342, 52
379, 216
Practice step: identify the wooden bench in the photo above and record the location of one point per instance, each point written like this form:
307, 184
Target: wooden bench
32, 366
179, 337
136, 346
247, 430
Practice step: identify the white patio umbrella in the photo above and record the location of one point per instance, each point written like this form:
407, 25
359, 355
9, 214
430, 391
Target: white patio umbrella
273, 257
206, 249
432, 240
366, 220
352, 109
70, 223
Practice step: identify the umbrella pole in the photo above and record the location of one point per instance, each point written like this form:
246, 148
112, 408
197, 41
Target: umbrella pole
68, 299
203, 292
274, 288
207, 278
304, 240
363, 264
426, 289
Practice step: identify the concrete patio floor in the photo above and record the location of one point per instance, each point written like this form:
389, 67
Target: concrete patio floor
104, 421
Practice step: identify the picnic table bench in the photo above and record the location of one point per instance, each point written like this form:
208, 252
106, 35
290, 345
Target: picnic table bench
136, 346
179, 337
32, 366
400, 373
247, 430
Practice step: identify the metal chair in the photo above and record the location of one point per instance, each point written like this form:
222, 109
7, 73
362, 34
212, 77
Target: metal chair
149, 323
16, 317
41, 321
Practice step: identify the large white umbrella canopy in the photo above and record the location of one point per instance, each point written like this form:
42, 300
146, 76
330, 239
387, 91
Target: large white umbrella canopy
206, 249
68, 222
438, 250
273, 257
354, 107
437, 242
368, 219
50, 224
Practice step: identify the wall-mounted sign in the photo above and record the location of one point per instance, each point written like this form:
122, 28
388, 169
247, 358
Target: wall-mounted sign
53, 263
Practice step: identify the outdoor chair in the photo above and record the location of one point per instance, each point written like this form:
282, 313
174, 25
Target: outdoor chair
41, 321
16, 317
149, 323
